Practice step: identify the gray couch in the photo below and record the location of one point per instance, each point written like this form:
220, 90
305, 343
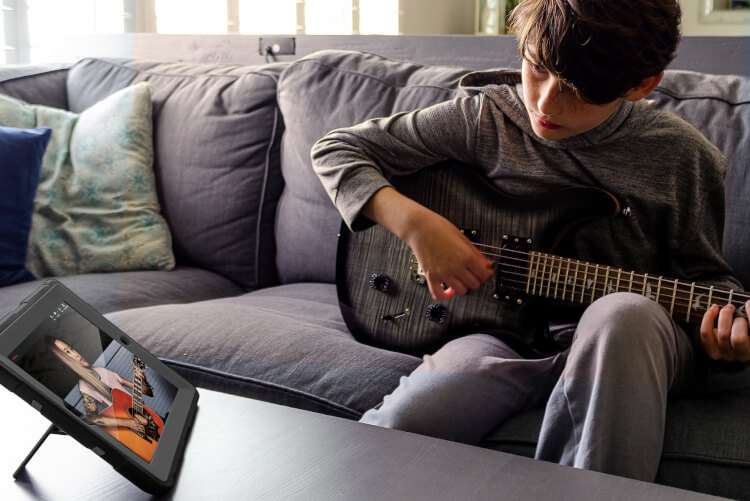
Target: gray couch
251, 307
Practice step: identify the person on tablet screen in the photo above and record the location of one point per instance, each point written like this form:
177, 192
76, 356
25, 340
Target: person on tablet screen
124, 416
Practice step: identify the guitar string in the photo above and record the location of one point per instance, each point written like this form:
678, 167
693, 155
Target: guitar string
681, 305
524, 254
579, 287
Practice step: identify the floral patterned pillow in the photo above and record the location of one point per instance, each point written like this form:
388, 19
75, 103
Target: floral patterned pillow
96, 208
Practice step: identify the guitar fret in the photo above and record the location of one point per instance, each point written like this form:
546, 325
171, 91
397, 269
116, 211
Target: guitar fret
690, 302
549, 283
531, 272
658, 290
596, 275
619, 275
539, 276
645, 280
559, 274
674, 296
575, 281
565, 282
583, 282
630, 286
710, 295
730, 296
606, 282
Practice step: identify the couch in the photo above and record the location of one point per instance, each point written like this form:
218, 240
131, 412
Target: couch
251, 306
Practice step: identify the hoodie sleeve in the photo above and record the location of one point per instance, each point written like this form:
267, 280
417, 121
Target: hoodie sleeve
355, 162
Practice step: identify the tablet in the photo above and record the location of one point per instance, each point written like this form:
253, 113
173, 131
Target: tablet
97, 385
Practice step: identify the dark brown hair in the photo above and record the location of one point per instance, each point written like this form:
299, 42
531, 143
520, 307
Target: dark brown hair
600, 48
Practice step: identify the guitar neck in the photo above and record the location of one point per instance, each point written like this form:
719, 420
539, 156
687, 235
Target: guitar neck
576, 281
137, 391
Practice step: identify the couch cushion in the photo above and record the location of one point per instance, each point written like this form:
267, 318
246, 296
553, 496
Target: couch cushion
107, 292
719, 106
37, 84
286, 344
317, 94
706, 442
216, 156
22, 151
96, 208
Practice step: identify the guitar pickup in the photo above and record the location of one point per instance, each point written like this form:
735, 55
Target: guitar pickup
511, 271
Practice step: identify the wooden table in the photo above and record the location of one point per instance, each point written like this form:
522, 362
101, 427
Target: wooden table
243, 449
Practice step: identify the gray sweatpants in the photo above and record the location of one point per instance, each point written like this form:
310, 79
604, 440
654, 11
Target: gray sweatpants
606, 395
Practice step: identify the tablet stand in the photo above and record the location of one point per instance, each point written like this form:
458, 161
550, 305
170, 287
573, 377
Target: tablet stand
52, 429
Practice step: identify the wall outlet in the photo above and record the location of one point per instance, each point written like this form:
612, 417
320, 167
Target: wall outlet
278, 46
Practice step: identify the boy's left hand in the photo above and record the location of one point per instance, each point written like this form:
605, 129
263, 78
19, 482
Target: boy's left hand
728, 338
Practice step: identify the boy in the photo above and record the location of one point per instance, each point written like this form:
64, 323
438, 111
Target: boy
574, 116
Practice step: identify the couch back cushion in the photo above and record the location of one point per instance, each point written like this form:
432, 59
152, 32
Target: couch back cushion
216, 145
317, 94
719, 106
36, 84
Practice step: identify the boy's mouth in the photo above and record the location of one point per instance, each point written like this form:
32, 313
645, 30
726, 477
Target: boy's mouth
545, 124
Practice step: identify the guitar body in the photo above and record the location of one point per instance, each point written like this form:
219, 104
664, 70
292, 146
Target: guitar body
404, 317
142, 444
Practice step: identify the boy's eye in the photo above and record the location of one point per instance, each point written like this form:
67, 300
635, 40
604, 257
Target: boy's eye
538, 68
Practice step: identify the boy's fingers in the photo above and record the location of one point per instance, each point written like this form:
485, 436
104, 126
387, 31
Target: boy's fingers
724, 329
740, 339
708, 333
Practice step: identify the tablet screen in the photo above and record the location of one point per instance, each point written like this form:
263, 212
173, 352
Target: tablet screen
99, 378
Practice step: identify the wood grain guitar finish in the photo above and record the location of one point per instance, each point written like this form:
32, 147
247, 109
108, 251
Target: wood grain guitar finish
386, 303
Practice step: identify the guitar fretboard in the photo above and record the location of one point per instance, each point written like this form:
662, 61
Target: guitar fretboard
582, 282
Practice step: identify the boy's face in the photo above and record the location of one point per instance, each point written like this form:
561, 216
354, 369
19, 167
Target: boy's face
554, 109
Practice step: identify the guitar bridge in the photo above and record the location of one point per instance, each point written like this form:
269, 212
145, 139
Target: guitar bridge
417, 273
511, 269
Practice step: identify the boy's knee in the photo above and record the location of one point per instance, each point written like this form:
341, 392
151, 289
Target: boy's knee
625, 318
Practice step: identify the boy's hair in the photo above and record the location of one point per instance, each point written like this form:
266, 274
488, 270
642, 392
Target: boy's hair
600, 48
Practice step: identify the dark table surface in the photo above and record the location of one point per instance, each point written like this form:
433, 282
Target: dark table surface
246, 449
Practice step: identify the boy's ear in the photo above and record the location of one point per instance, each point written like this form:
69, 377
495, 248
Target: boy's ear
644, 88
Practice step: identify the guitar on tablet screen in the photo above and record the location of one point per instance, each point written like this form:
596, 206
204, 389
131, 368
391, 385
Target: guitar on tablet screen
126, 407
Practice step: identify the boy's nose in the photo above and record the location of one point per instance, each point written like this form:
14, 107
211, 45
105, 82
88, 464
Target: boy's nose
549, 102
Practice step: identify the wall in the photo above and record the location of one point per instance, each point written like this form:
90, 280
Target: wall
431, 17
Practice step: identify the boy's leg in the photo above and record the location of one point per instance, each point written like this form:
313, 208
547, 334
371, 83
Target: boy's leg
607, 410
464, 390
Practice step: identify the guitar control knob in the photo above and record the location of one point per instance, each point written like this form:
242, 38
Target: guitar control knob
380, 282
436, 313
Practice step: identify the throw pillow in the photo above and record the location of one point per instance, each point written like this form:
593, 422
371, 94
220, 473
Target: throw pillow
96, 208
21, 151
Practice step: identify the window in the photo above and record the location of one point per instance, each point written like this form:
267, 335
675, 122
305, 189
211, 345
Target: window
56, 29
3, 42
191, 16
379, 17
328, 17
50, 21
273, 18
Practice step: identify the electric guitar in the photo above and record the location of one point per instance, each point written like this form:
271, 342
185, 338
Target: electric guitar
385, 301
125, 406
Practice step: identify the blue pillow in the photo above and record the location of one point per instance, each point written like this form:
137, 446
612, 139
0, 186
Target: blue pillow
21, 152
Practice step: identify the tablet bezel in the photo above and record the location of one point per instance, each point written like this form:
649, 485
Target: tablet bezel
15, 329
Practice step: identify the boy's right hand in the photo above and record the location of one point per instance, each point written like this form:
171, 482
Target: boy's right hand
445, 255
